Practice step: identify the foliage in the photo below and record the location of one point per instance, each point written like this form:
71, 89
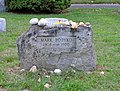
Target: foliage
37, 5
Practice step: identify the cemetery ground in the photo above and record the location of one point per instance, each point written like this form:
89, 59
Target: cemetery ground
106, 77
96, 1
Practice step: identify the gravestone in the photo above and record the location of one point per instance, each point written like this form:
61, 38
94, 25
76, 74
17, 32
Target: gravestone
58, 47
2, 5
2, 25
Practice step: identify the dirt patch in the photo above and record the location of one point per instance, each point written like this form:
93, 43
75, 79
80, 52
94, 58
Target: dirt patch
13, 69
3, 89
116, 11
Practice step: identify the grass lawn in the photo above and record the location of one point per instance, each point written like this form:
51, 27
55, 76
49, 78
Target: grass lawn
95, 1
106, 29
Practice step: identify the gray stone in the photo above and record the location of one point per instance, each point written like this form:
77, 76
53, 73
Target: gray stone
2, 5
2, 24
57, 48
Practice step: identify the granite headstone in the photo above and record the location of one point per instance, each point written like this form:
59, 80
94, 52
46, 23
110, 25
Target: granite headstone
57, 47
2, 5
2, 24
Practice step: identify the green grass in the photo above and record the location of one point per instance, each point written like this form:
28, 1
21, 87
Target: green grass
95, 1
106, 29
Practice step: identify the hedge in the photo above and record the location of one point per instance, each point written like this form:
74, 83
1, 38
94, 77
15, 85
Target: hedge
37, 5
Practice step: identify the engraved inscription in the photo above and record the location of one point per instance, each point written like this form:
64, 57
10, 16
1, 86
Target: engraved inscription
56, 42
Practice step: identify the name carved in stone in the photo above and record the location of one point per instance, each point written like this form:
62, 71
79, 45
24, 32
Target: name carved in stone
56, 44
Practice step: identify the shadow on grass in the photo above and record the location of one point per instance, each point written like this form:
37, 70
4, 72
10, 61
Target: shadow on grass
40, 12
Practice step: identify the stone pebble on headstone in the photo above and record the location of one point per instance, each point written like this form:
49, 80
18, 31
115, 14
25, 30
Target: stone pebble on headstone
34, 21
57, 47
42, 22
2, 24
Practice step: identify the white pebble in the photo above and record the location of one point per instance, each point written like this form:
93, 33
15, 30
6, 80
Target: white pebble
25, 90
51, 72
34, 21
39, 80
70, 21
33, 69
88, 24
102, 73
22, 70
47, 85
72, 65
47, 76
57, 71
81, 24
74, 25
74, 71
42, 22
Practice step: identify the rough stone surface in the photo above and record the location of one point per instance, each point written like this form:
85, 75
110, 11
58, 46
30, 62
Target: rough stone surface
2, 24
57, 48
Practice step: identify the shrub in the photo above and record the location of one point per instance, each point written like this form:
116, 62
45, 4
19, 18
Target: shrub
37, 5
